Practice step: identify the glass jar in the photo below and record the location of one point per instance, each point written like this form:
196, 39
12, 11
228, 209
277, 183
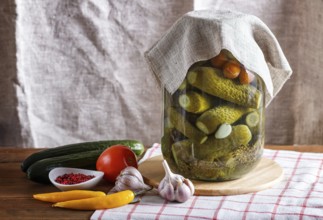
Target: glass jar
213, 126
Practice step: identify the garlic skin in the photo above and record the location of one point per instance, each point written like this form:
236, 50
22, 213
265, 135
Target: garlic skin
168, 192
130, 178
175, 187
190, 185
183, 192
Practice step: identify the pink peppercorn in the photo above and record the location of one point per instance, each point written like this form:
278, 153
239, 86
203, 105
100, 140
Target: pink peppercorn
73, 178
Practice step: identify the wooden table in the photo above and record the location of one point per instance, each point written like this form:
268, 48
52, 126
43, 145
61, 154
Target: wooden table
16, 190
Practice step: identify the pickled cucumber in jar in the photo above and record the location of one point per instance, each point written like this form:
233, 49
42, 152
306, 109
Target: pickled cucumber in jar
214, 123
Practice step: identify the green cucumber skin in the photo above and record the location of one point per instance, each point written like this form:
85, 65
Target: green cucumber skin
38, 171
79, 148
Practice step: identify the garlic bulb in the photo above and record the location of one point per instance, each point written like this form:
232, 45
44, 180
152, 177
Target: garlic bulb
130, 178
175, 187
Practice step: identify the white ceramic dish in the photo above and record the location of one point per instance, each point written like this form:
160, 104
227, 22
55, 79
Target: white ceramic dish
59, 171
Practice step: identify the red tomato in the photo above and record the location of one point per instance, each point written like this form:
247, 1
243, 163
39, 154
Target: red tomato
114, 159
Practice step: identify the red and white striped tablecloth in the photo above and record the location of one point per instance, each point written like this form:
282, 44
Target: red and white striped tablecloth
298, 196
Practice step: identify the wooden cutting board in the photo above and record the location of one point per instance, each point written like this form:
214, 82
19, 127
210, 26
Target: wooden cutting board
263, 176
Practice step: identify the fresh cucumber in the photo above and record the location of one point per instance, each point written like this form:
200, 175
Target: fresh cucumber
136, 146
39, 170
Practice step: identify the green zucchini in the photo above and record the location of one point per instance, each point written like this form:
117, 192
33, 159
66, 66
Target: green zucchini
38, 171
136, 146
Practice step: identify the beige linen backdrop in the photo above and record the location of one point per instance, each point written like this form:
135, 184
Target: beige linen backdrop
74, 71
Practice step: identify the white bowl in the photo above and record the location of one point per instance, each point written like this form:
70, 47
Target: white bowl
59, 171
